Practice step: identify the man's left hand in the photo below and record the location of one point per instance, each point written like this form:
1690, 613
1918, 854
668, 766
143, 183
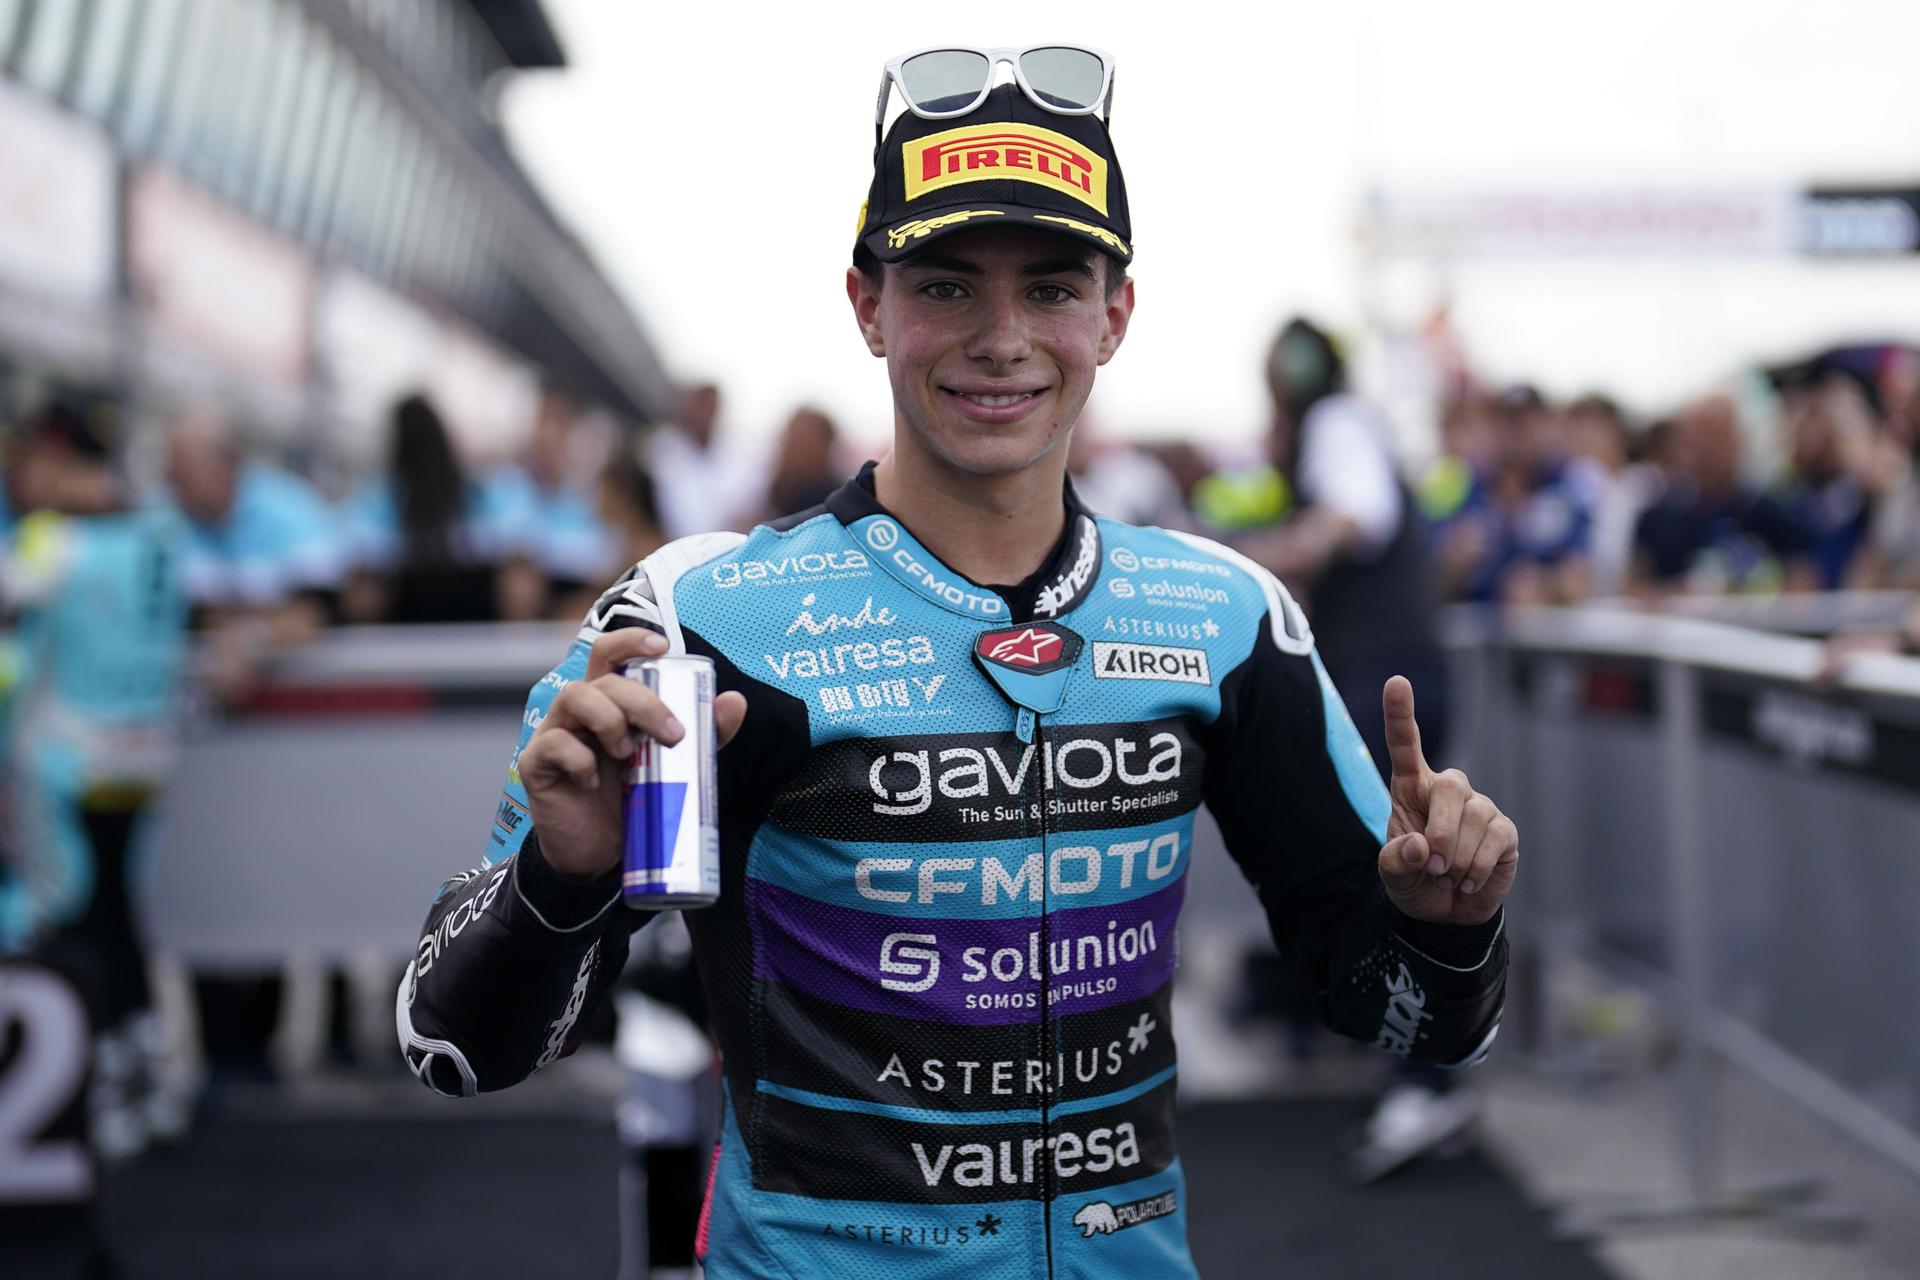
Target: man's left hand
1450, 855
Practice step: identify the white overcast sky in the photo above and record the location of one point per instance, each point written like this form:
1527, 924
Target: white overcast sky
713, 156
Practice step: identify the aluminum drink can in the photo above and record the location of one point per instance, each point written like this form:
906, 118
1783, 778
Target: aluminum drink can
672, 856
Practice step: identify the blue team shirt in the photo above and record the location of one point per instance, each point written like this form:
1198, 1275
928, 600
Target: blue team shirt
557, 528
280, 538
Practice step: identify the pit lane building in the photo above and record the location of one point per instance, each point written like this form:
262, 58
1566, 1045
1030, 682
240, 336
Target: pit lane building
301, 207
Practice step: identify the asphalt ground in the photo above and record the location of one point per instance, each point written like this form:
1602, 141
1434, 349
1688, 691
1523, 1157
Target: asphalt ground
283, 1197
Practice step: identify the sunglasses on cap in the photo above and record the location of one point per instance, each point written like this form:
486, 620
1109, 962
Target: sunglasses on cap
951, 80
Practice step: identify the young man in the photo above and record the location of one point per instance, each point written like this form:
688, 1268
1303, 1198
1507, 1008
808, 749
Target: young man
970, 725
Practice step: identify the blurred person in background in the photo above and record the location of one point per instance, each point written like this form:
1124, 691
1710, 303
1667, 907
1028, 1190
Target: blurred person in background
1328, 515
266, 555
1453, 490
629, 509
1712, 531
701, 481
1600, 436
1529, 525
548, 498
1890, 559
1346, 538
426, 547
1122, 481
96, 590
1828, 488
807, 465
265, 562
1187, 463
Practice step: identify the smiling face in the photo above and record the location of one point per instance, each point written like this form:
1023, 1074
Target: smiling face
991, 339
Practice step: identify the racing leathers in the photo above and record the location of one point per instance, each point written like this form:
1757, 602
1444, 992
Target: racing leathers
955, 829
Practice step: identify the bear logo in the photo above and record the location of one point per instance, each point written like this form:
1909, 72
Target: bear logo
1096, 1218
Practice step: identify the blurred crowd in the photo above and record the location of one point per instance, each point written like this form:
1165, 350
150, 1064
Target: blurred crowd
1801, 477
269, 558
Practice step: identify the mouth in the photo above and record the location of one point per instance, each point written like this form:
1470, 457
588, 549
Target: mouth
993, 406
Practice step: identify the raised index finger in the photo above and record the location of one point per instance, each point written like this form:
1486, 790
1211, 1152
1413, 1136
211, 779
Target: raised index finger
1403, 732
622, 646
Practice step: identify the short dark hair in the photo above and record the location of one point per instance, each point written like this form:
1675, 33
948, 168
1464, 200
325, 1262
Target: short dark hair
870, 266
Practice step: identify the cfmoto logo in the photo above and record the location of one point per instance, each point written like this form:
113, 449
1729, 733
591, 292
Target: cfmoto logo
1124, 560
883, 535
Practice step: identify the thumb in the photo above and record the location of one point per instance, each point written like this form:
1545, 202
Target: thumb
1403, 731
1403, 860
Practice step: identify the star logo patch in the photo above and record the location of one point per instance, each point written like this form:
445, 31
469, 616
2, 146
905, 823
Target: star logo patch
1034, 649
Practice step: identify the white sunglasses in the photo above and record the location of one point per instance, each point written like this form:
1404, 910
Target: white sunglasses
951, 80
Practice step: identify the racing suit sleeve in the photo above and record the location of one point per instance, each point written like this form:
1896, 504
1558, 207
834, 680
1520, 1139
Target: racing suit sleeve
1304, 813
514, 958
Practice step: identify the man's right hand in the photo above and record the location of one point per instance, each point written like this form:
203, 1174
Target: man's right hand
574, 766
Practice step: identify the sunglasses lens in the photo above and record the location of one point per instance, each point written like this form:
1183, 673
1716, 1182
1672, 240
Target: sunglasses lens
1067, 78
945, 79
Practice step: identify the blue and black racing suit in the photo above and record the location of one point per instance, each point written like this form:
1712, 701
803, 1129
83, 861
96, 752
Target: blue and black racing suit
955, 830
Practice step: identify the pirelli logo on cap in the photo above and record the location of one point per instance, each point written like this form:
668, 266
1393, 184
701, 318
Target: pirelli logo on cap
1016, 152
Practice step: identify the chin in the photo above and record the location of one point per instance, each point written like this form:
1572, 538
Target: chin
1001, 456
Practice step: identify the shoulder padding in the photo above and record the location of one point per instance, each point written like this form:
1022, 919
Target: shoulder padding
643, 597
1285, 619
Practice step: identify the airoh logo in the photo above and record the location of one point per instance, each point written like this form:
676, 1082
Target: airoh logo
1119, 660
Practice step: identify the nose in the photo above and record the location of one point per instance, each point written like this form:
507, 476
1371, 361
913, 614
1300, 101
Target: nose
1001, 337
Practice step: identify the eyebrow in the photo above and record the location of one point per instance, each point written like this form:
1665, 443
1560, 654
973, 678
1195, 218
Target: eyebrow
961, 267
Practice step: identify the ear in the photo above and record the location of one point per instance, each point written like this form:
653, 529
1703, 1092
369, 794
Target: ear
866, 309
1119, 313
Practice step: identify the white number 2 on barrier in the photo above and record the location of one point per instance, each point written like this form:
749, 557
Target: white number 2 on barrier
44, 1019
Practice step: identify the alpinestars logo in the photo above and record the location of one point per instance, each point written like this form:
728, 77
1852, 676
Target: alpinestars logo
1406, 1010
1103, 1219
1028, 649
627, 603
1031, 650
563, 1025
1056, 596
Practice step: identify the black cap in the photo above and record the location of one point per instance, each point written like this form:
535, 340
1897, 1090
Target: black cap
1008, 161
85, 423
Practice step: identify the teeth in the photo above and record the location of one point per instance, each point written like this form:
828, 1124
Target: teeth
997, 402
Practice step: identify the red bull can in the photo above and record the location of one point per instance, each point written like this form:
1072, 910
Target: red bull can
672, 858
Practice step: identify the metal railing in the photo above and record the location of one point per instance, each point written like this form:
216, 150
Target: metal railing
1729, 820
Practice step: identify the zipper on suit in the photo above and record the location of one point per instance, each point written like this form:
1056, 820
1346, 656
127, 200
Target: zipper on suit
1048, 1057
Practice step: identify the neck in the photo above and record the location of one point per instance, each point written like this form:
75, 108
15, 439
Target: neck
994, 529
